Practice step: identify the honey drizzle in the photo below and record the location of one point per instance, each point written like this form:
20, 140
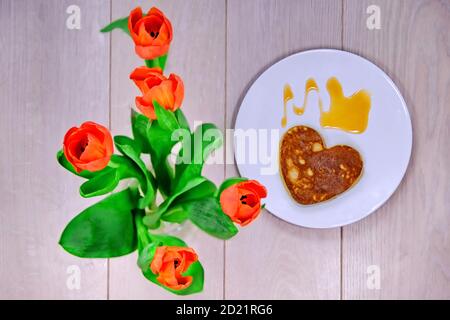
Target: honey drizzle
311, 85
287, 95
350, 114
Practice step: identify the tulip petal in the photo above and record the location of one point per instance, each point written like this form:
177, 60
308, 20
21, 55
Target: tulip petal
229, 200
178, 90
255, 186
135, 16
147, 109
151, 52
94, 149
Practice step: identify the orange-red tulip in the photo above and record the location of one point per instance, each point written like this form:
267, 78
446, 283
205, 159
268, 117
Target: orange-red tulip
151, 34
169, 264
168, 92
242, 201
88, 147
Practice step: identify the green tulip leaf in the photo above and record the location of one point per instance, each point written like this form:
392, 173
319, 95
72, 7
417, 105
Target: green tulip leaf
161, 144
104, 230
126, 168
153, 218
204, 189
129, 148
166, 240
202, 145
228, 183
207, 214
145, 246
100, 184
140, 125
146, 256
121, 24
166, 118
181, 118
62, 160
177, 214
182, 189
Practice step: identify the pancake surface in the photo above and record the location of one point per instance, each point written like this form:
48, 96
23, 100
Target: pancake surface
313, 173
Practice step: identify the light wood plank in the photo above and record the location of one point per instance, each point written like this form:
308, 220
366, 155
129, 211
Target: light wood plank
272, 259
52, 78
408, 237
197, 54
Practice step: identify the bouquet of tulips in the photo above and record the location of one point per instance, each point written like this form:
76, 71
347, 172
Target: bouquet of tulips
126, 220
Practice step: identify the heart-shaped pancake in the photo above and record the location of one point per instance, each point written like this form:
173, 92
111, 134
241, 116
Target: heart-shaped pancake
313, 173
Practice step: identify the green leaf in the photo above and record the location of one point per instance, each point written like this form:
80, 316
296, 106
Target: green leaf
67, 165
146, 255
196, 181
207, 214
202, 145
156, 225
160, 140
166, 118
104, 230
195, 270
121, 24
161, 145
145, 246
129, 148
140, 125
182, 120
177, 214
228, 183
166, 240
205, 189
153, 218
125, 167
159, 62
100, 184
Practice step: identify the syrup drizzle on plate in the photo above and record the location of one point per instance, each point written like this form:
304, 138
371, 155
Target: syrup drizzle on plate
350, 114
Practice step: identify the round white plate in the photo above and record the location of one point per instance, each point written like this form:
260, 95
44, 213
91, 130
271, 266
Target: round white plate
385, 146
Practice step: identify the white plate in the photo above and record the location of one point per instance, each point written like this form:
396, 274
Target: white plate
385, 146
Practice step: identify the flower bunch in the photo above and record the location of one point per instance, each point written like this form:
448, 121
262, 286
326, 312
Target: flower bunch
124, 221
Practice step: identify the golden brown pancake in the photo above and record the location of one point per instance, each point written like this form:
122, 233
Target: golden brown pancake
311, 172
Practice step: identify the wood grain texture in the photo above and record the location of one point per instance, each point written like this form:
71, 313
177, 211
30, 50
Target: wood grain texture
271, 259
52, 78
408, 238
197, 55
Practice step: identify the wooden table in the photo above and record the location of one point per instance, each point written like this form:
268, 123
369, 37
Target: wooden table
52, 78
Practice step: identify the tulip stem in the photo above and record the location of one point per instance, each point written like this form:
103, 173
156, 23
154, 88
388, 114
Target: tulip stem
159, 62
